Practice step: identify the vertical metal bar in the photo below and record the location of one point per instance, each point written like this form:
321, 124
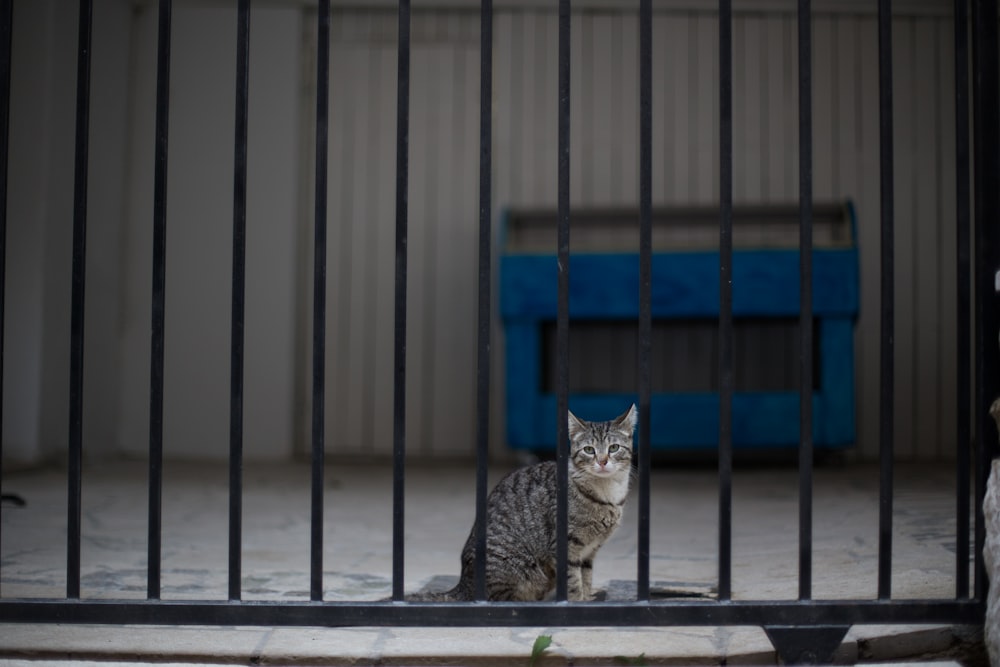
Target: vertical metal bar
725, 298
981, 429
886, 360
485, 274
319, 301
158, 301
962, 298
6, 33
645, 445
805, 301
986, 110
238, 297
562, 314
78, 291
399, 389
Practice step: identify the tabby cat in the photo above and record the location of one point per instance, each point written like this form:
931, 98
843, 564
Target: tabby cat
521, 510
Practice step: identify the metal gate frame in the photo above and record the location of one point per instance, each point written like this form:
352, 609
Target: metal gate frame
803, 629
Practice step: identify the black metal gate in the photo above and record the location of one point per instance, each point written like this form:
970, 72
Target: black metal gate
793, 625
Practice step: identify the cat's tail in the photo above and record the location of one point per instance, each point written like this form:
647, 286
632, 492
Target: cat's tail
456, 594
440, 596
459, 593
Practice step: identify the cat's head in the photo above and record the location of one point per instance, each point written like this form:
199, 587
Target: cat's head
602, 449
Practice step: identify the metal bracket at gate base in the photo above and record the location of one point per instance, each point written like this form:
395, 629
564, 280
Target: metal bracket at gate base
806, 645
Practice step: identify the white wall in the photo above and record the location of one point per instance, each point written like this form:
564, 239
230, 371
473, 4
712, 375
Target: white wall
443, 204
39, 227
199, 233
604, 157
117, 335
442, 238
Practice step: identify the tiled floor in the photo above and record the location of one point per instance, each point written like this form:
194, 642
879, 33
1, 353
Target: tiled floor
439, 513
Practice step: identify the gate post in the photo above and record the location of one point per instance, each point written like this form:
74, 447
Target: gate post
806, 645
986, 158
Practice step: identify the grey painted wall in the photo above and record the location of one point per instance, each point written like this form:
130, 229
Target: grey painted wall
199, 233
443, 204
604, 157
39, 228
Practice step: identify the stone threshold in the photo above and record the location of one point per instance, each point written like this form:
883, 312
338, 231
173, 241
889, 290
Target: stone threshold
333, 647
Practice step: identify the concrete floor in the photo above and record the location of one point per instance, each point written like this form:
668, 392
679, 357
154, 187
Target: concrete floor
439, 513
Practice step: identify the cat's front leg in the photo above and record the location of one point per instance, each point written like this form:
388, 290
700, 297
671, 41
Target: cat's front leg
586, 576
578, 585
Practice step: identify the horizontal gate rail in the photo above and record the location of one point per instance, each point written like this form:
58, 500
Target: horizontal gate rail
425, 614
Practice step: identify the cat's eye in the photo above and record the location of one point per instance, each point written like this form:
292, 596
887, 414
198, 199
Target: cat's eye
588, 450
613, 448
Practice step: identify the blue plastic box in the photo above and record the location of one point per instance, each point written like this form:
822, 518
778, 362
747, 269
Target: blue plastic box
605, 285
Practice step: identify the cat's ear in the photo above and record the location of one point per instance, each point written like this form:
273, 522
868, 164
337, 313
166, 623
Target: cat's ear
576, 425
627, 421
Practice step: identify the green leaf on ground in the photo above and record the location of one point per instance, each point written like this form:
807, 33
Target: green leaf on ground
542, 642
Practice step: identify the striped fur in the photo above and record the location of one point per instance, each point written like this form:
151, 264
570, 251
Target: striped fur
521, 509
